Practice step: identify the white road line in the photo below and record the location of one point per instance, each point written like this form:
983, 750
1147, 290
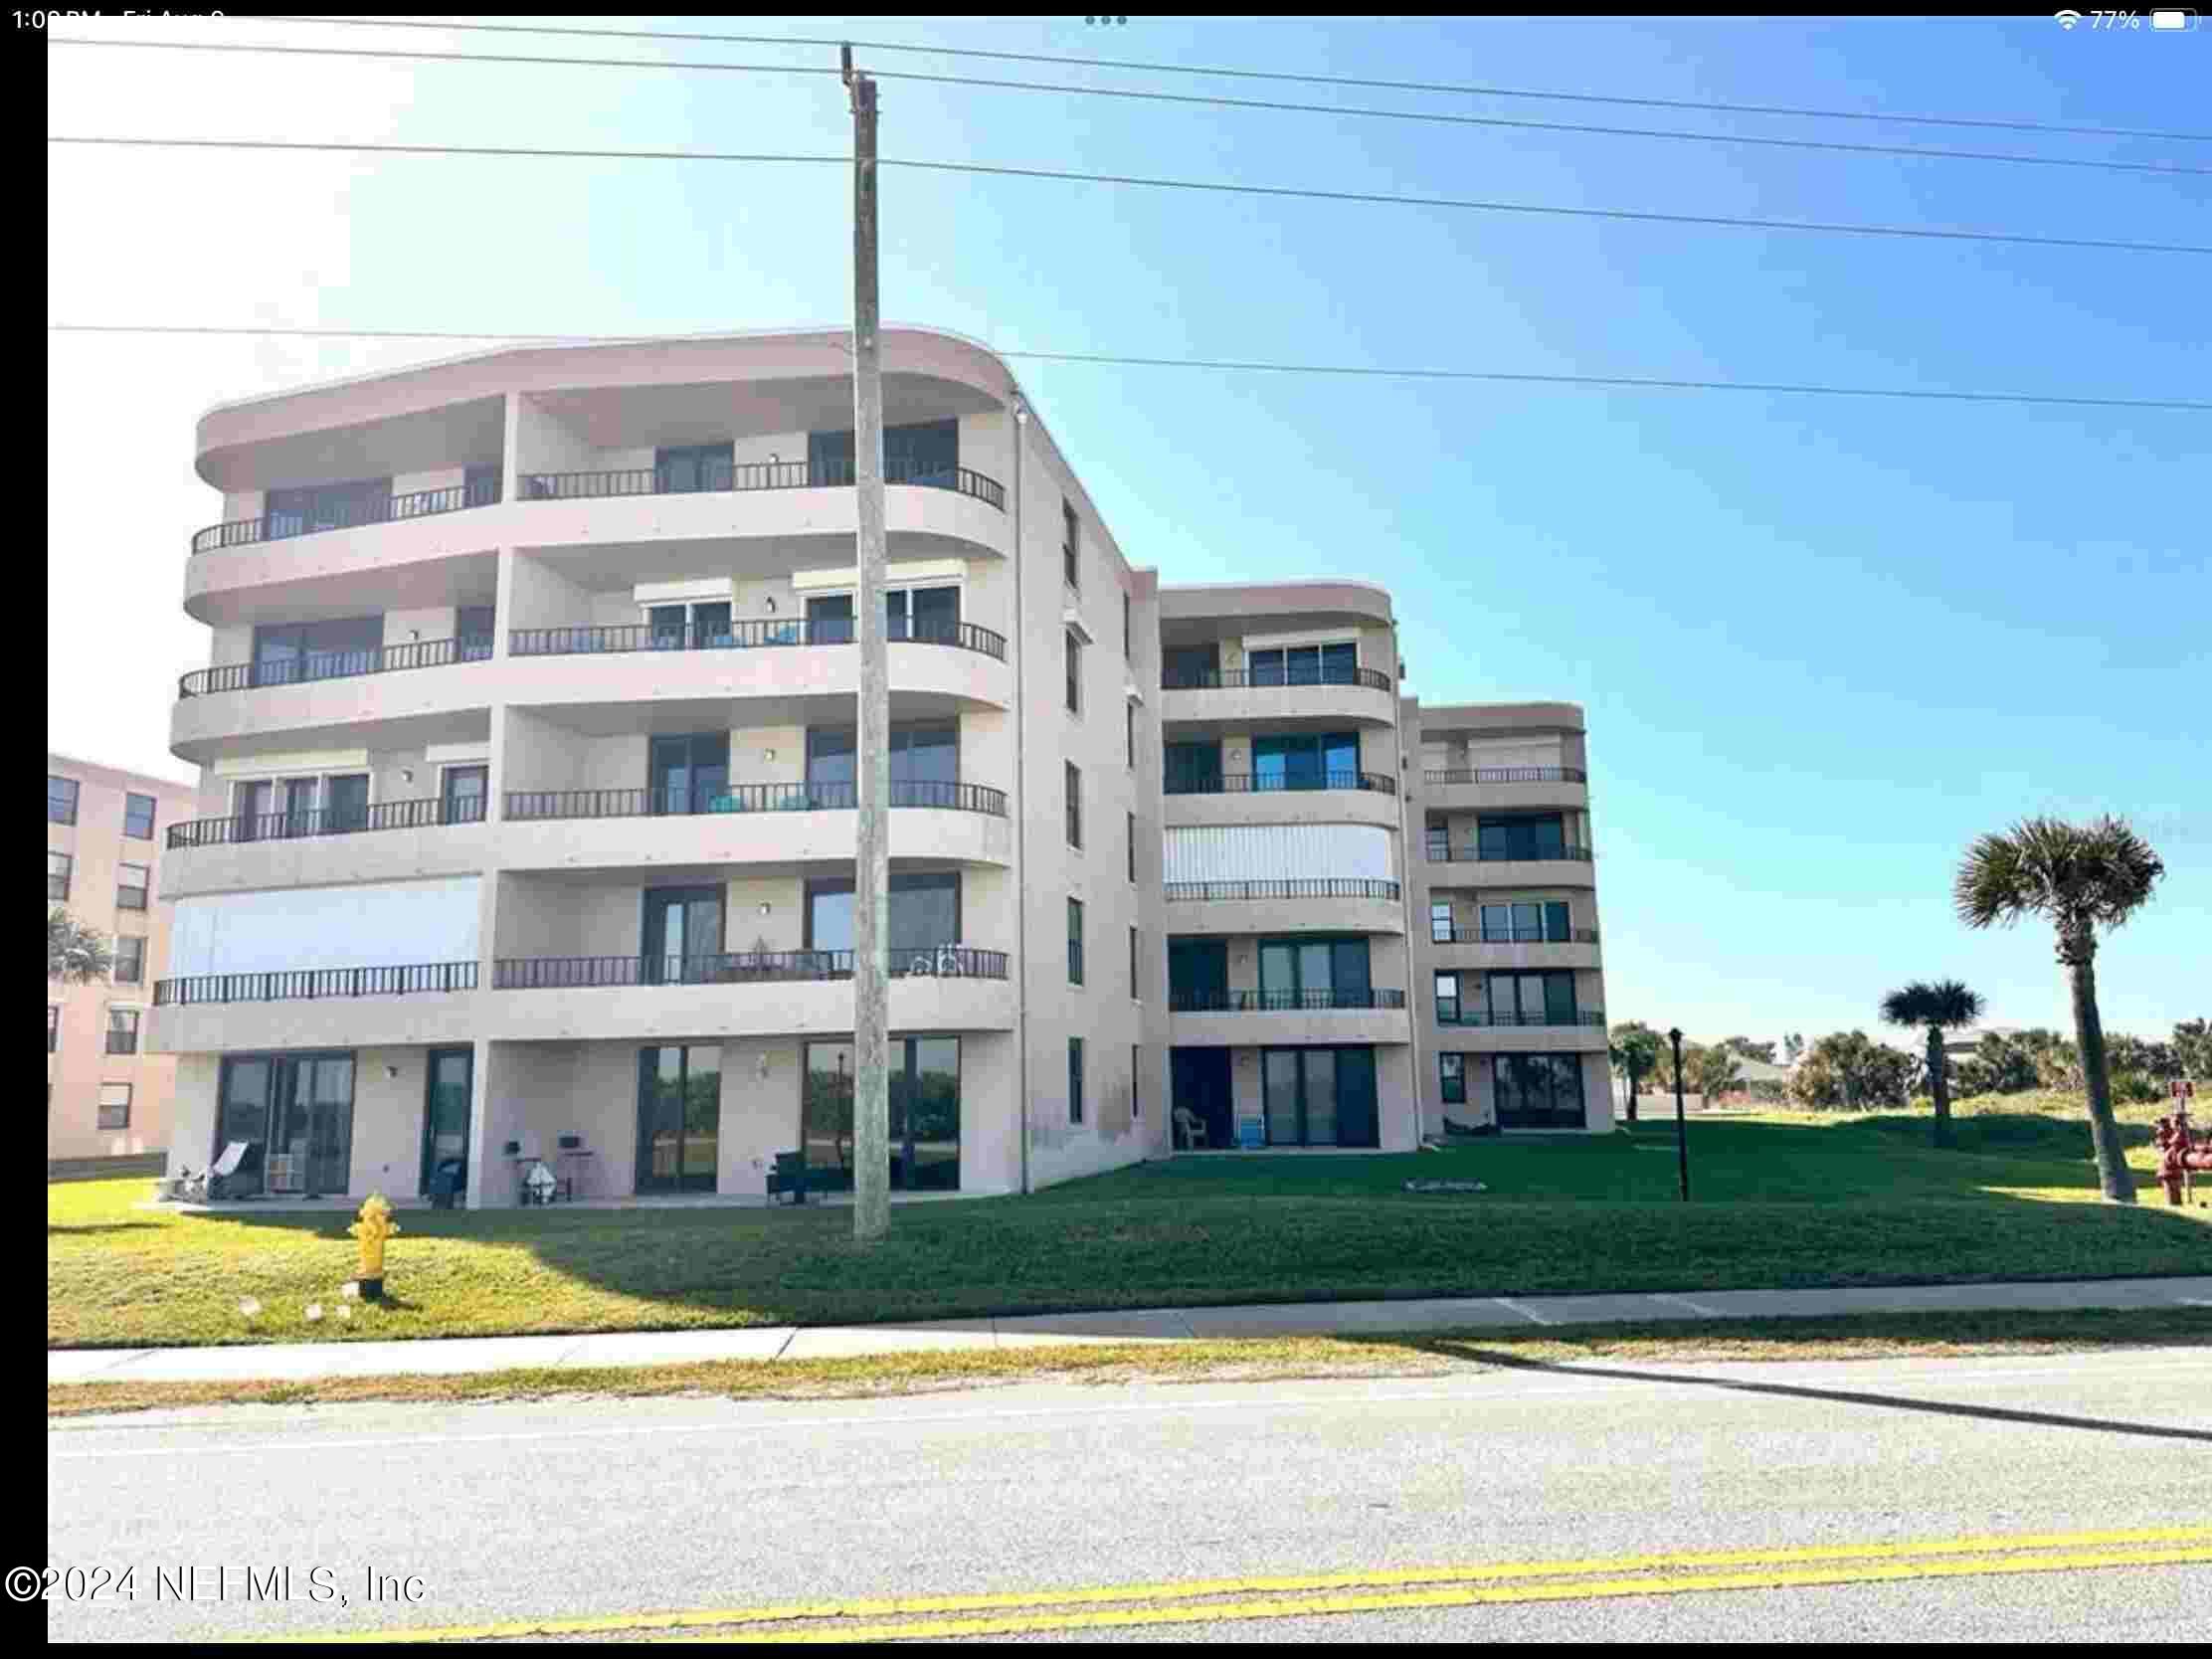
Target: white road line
1529, 1314
1685, 1301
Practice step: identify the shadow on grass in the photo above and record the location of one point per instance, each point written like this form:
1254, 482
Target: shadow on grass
96, 1230
1474, 1351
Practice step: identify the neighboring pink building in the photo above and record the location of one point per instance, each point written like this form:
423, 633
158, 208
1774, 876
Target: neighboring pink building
106, 1095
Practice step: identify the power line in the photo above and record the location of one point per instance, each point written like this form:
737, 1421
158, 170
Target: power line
1356, 195
1448, 88
1434, 116
1616, 382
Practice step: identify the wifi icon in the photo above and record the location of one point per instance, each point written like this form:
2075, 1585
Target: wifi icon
2066, 20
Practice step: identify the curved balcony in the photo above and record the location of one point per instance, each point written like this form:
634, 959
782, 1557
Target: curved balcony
743, 636
1284, 906
1507, 786
1231, 1018
805, 993
786, 824
1562, 866
786, 500
315, 1007
1229, 797
392, 841
343, 689
721, 478
346, 516
1233, 699
337, 664
954, 665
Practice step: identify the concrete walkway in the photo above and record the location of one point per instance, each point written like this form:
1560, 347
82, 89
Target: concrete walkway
301, 1362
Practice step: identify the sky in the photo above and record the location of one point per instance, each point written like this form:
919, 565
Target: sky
1821, 641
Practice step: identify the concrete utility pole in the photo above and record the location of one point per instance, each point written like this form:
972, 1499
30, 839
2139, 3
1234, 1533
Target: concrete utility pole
871, 875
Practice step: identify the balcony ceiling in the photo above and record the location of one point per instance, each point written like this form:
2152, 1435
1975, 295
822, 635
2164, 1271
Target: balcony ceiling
472, 579
635, 417
456, 435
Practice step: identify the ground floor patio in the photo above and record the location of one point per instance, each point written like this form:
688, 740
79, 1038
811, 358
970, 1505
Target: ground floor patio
599, 1124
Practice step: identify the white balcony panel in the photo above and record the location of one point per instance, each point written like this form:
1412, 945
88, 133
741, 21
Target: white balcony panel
374, 925
1279, 852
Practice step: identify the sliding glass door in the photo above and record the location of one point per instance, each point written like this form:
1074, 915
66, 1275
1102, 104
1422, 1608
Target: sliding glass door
298, 1108
683, 935
925, 1115
1319, 1097
1538, 1091
679, 1117
687, 773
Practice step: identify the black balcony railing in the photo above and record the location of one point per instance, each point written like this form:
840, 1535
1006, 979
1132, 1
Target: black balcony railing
1509, 774
1268, 783
1329, 887
716, 477
1231, 680
1510, 936
312, 984
1483, 1017
427, 813
572, 973
336, 664
741, 635
1279, 1001
745, 798
346, 516
1443, 854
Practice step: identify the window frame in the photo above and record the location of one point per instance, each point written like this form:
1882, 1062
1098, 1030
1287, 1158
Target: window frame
138, 974
1075, 1080
100, 1122
68, 872
1071, 546
123, 889
1132, 848
1074, 940
1134, 995
75, 799
1451, 1075
132, 1024
1440, 917
153, 807
1071, 781
1456, 1000
1073, 652
53, 1027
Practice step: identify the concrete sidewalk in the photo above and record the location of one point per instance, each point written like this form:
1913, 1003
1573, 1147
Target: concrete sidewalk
302, 1362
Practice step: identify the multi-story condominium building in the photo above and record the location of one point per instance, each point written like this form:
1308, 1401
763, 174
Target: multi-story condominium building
106, 1095
526, 818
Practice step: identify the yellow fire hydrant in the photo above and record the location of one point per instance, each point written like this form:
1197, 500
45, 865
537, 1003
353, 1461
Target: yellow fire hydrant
373, 1227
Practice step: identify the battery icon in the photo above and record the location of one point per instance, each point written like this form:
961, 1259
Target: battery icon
2181, 18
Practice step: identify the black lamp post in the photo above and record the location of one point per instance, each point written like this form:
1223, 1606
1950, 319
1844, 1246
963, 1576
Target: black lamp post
1681, 1136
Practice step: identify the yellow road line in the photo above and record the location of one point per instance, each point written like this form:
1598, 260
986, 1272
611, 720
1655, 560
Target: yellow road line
1193, 1589
1580, 1591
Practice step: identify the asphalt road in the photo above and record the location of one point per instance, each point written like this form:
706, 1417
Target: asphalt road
1993, 1499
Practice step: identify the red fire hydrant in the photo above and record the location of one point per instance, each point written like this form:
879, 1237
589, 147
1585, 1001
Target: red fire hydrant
2185, 1154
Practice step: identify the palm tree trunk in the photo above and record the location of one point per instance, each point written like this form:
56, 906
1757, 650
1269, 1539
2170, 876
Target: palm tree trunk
2104, 1130
1938, 1086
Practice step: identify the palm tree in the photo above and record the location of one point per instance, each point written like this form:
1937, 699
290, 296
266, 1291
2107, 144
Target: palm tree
2081, 877
75, 953
1940, 1006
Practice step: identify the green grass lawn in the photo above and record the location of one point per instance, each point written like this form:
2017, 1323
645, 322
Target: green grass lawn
1779, 1201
